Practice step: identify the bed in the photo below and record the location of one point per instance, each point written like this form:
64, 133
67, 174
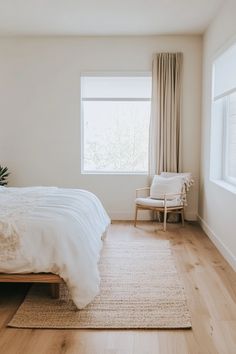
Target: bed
50, 234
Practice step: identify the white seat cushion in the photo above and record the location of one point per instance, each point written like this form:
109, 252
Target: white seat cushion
158, 202
166, 186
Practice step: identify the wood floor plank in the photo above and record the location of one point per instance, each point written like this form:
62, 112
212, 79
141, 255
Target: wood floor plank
210, 285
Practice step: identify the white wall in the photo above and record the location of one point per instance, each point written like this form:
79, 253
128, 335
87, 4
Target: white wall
40, 109
217, 207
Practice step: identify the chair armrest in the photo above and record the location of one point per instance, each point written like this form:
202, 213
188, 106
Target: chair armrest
141, 189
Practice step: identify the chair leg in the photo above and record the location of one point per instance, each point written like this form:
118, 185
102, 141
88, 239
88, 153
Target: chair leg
182, 217
165, 217
136, 215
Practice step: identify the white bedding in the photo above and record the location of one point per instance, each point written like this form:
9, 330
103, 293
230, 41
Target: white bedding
49, 229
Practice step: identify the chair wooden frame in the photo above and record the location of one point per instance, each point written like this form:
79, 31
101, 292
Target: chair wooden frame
165, 209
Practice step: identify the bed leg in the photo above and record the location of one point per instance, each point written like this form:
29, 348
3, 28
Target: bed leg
55, 291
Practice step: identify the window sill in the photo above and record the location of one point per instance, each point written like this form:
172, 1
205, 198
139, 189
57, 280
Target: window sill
223, 184
114, 173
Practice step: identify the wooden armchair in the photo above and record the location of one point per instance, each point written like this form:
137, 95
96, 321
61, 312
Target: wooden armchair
166, 203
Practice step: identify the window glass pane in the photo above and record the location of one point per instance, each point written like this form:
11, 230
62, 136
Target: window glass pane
116, 136
231, 137
116, 87
217, 135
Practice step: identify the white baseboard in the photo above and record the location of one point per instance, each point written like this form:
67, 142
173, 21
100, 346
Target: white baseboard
226, 253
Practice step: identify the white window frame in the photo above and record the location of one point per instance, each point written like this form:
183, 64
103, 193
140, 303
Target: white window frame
107, 74
219, 176
224, 176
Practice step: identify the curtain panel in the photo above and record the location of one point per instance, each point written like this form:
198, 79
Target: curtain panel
165, 123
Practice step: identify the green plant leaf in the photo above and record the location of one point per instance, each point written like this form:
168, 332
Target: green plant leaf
4, 174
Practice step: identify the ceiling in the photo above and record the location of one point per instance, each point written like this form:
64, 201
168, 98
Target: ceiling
105, 17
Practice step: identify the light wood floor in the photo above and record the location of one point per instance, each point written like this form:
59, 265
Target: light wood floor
210, 286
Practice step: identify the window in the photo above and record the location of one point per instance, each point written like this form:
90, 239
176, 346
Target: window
115, 123
223, 153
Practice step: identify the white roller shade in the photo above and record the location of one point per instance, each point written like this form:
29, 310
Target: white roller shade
116, 86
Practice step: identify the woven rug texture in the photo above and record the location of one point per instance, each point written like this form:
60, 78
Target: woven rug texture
140, 288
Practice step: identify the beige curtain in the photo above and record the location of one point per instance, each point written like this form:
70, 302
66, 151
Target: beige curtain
165, 124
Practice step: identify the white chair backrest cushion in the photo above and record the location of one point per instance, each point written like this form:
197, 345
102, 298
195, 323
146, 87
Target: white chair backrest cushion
187, 177
166, 186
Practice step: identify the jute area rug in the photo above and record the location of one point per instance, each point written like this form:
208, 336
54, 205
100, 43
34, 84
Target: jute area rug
140, 288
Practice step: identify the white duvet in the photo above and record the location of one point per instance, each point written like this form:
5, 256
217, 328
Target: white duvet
49, 229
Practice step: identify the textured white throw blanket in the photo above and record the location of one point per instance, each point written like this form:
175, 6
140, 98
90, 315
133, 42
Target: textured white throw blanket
49, 229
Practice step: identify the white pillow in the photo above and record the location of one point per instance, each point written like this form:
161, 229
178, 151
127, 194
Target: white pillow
163, 185
187, 177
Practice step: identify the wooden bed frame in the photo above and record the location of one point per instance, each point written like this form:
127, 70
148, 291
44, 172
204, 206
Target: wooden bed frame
53, 279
